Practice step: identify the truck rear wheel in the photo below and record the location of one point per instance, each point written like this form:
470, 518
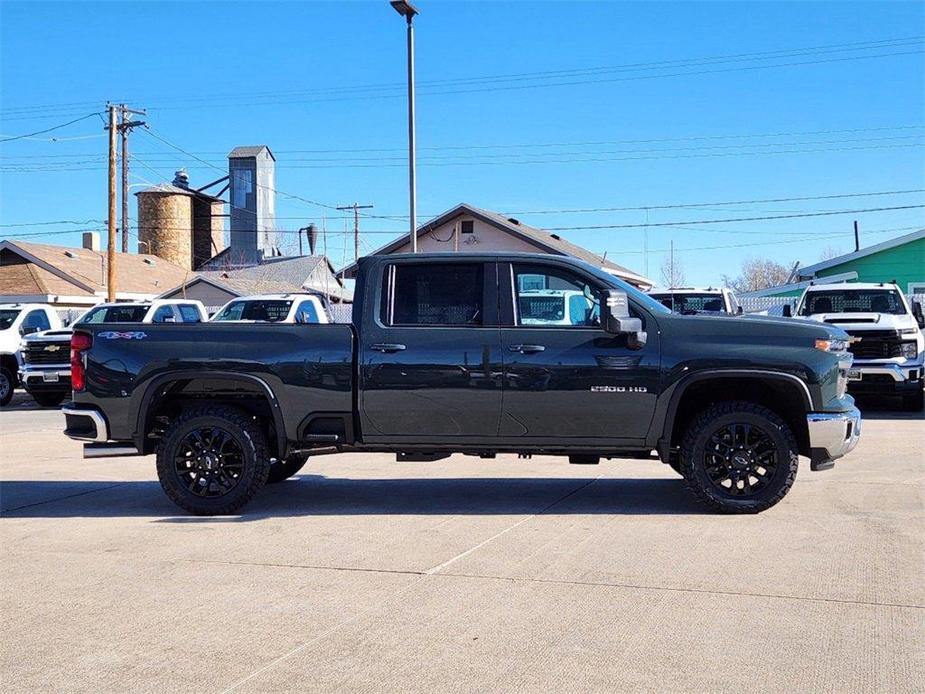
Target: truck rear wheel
213, 460
739, 457
282, 470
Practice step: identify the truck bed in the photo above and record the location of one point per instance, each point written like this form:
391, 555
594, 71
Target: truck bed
307, 367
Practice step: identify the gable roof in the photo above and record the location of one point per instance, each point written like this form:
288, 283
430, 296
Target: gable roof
543, 240
80, 271
811, 270
249, 151
276, 276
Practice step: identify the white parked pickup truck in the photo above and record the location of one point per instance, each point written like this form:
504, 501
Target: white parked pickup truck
888, 345
17, 321
693, 300
274, 308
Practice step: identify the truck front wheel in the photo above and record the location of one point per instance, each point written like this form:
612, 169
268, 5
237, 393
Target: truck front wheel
914, 402
7, 384
213, 460
739, 457
49, 398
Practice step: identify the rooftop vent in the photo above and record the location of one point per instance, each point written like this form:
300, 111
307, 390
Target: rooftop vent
181, 179
513, 221
70, 254
556, 237
150, 261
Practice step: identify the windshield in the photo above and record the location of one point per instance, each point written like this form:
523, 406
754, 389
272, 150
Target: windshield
267, 310
7, 316
853, 301
689, 303
115, 314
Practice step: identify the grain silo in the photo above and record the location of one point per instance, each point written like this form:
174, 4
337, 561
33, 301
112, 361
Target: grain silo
179, 224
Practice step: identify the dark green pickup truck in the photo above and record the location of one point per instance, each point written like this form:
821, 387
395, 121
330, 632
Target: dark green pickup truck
473, 354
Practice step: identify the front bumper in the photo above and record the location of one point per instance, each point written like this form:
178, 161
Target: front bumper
832, 435
886, 379
34, 377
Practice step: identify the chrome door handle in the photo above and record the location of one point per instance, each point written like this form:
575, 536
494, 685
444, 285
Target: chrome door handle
387, 347
527, 349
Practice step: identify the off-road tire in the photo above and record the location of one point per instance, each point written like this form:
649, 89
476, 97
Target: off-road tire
49, 399
915, 402
7, 386
244, 431
284, 469
712, 420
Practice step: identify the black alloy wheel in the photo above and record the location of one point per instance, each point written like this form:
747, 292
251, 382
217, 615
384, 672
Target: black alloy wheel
740, 459
209, 462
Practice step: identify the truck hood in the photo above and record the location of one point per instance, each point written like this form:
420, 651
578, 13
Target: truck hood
866, 321
60, 335
748, 328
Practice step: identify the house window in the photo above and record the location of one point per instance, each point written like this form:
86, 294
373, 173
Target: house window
435, 294
467, 226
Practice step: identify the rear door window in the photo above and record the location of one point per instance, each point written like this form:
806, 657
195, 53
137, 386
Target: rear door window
163, 314
443, 294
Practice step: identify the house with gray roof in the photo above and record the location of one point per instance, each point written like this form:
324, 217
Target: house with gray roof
310, 273
466, 228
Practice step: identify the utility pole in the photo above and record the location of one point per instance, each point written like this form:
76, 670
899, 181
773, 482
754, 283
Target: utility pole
356, 207
857, 236
125, 126
111, 248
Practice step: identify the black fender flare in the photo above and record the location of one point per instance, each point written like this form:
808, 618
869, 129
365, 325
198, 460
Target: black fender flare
156, 384
673, 395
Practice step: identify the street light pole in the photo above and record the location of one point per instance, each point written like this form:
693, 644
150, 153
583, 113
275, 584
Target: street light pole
408, 11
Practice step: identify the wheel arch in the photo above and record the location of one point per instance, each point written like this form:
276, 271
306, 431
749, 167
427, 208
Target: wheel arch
783, 393
180, 388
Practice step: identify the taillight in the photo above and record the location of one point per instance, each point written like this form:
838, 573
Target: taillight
79, 343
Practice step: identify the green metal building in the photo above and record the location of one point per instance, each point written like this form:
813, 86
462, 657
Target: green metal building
900, 260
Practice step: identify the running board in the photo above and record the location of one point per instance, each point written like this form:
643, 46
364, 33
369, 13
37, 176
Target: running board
108, 450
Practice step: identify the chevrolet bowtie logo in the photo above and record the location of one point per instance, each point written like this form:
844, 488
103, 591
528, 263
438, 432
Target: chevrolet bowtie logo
52, 348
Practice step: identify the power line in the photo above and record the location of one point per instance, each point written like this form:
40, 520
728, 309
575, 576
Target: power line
739, 219
521, 80
48, 130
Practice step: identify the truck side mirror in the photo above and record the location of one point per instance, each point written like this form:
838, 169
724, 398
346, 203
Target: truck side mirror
740, 310
788, 311
917, 312
28, 330
616, 319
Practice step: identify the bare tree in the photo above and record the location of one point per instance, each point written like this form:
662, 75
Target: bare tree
830, 252
758, 273
672, 272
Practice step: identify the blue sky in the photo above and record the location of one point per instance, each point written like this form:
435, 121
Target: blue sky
523, 107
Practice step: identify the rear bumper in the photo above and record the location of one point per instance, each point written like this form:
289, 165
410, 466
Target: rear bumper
832, 435
85, 424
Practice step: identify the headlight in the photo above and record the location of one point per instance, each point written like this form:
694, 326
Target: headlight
908, 350
908, 331
832, 345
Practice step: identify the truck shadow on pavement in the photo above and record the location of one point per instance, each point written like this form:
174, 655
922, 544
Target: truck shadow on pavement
316, 495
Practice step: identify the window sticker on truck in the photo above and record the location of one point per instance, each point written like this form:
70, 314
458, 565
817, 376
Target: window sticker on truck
119, 335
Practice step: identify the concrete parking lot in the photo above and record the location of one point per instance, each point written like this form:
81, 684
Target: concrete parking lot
363, 574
